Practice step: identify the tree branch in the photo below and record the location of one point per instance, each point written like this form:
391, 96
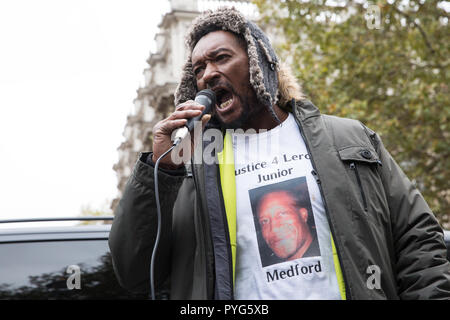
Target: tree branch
422, 32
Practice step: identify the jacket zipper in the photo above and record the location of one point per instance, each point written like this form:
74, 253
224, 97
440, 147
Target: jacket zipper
197, 188
314, 173
316, 176
354, 168
194, 174
227, 235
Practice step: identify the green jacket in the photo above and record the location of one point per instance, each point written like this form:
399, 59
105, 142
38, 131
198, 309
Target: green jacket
376, 215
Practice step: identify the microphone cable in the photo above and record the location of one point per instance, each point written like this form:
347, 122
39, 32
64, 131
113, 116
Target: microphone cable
158, 212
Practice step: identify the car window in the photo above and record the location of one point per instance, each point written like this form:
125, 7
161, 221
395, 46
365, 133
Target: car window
80, 269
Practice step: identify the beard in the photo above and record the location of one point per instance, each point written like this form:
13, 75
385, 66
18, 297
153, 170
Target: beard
243, 117
249, 109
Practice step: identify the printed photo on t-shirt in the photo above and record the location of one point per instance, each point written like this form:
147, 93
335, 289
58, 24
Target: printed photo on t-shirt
284, 221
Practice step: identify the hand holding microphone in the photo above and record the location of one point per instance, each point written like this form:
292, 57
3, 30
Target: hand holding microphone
206, 98
196, 110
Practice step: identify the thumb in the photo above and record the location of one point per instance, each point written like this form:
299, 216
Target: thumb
205, 120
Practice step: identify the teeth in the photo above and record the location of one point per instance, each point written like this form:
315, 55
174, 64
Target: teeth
225, 104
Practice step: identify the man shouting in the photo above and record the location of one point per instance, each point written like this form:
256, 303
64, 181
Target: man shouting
367, 213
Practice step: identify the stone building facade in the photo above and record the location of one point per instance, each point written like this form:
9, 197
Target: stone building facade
155, 100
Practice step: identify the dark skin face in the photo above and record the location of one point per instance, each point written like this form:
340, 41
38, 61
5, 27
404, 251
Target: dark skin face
220, 62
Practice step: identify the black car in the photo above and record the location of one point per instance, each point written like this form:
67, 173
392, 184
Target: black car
71, 262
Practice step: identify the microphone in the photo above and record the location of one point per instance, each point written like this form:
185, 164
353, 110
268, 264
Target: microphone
205, 97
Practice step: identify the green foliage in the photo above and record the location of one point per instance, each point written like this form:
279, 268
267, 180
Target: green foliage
393, 76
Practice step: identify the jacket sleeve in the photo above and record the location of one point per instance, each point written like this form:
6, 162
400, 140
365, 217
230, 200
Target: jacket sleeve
133, 232
422, 269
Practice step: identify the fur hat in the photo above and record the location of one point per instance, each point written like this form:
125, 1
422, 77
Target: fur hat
264, 68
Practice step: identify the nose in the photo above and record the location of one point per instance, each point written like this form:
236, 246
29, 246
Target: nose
273, 227
210, 75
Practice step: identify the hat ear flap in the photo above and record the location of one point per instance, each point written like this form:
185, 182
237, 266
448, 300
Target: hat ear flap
187, 87
256, 75
263, 67
269, 67
267, 54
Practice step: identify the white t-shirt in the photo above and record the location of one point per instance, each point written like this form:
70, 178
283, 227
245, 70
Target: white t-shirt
283, 237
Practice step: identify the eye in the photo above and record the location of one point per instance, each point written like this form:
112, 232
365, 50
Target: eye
264, 221
222, 57
282, 213
198, 70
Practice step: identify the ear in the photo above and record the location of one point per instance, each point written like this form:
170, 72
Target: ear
303, 214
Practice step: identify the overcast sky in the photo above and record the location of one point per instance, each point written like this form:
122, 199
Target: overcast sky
69, 71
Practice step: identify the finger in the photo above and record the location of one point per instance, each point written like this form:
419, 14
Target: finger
190, 105
184, 114
168, 126
181, 105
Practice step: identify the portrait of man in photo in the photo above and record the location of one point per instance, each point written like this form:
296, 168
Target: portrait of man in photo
284, 221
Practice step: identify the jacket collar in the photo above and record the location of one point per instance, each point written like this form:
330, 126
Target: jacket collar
304, 109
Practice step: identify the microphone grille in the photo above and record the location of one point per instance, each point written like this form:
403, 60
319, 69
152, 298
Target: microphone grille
209, 93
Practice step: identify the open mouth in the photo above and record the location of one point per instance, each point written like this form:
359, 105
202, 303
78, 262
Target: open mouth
224, 98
